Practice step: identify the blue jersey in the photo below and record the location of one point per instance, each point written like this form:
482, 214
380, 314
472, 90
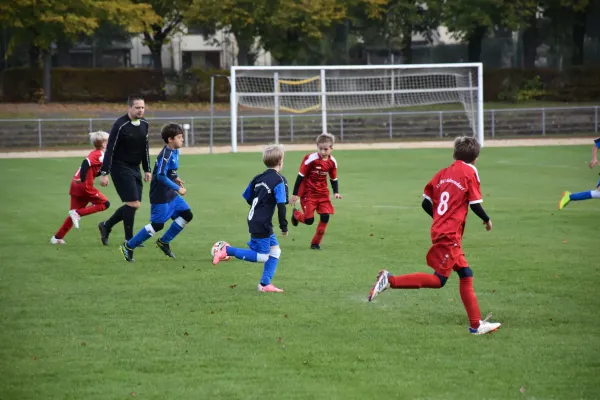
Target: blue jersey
163, 188
597, 142
263, 194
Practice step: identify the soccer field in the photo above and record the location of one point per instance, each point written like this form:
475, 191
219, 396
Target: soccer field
78, 322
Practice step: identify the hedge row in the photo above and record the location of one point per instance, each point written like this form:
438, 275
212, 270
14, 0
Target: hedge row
83, 84
113, 85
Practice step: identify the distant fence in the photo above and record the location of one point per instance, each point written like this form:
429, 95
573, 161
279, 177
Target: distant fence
348, 127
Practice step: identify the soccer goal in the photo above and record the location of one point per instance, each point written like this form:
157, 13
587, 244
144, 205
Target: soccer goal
329, 89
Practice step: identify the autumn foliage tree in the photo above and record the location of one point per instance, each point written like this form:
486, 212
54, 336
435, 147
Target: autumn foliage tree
45, 22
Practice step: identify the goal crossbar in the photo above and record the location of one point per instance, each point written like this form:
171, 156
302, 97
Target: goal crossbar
300, 89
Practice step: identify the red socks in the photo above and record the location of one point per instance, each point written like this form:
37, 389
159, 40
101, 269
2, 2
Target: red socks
467, 294
91, 209
422, 280
417, 280
68, 223
299, 216
320, 233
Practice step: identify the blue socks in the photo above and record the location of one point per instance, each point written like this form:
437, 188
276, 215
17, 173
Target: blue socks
139, 238
242, 254
173, 231
269, 270
581, 196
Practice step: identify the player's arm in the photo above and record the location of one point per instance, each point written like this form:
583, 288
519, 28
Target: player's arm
281, 199
247, 195
299, 180
163, 169
427, 206
427, 203
334, 183
594, 161
83, 170
477, 208
113, 137
146, 160
475, 199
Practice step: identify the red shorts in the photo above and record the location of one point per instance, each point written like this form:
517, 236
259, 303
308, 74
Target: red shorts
81, 198
320, 205
446, 255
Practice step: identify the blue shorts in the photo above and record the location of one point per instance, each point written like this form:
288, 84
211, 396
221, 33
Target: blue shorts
161, 213
263, 246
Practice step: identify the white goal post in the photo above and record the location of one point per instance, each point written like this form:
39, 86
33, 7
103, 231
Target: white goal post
301, 89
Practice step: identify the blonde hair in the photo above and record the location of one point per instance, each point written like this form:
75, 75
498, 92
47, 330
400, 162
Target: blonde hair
97, 138
325, 138
273, 155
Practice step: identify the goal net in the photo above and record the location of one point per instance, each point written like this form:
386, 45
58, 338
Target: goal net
353, 88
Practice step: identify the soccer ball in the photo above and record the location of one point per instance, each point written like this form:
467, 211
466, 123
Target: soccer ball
218, 246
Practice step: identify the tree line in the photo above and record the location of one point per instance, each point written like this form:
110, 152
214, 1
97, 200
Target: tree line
298, 31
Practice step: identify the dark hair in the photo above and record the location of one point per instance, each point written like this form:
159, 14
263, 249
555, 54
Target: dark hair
466, 149
133, 97
170, 131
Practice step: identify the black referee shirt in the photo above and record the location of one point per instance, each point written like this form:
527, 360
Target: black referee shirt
128, 144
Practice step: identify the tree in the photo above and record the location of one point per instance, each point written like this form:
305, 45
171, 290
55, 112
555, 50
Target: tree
398, 20
239, 18
46, 22
171, 16
568, 24
288, 27
471, 20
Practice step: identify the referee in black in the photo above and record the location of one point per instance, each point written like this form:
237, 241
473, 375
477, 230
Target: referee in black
127, 148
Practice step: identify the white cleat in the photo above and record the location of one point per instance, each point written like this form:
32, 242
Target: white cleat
54, 240
75, 217
485, 327
381, 284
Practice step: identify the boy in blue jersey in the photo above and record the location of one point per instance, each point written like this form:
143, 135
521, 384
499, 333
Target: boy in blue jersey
166, 202
265, 193
568, 197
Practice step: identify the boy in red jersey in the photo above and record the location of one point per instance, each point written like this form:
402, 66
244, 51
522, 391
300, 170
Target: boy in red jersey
82, 188
446, 198
311, 188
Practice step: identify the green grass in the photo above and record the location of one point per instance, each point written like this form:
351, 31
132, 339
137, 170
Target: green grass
80, 323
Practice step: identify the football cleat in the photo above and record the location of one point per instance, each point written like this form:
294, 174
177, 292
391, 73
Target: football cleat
54, 240
75, 217
104, 232
165, 247
294, 220
485, 327
564, 200
270, 288
315, 247
381, 284
220, 252
127, 252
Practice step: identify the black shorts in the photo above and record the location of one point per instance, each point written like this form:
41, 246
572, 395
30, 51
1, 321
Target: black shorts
127, 181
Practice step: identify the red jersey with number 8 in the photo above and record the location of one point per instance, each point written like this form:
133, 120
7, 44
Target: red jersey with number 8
451, 191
